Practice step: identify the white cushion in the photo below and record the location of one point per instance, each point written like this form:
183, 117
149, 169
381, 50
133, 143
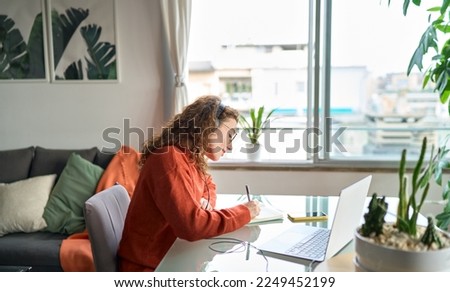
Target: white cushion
22, 204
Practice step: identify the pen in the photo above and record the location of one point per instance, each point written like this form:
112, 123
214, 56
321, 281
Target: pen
248, 192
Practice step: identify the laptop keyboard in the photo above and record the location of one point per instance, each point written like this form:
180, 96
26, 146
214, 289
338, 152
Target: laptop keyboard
311, 247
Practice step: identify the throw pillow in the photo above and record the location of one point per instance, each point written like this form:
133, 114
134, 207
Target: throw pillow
64, 210
22, 204
122, 169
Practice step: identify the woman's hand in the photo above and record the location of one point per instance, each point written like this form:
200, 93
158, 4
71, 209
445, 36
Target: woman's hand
254, 208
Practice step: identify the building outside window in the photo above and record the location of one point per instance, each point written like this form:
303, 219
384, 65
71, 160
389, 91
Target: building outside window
263, 52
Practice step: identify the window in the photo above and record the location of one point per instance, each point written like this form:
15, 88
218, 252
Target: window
350, 83
383, 110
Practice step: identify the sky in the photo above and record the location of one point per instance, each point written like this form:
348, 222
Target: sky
365, 32
216, 22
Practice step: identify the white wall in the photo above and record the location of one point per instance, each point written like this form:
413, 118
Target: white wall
68, 115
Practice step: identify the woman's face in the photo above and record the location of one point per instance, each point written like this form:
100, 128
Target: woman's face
220, 141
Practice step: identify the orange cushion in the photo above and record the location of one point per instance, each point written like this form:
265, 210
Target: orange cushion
122, 169
75, 253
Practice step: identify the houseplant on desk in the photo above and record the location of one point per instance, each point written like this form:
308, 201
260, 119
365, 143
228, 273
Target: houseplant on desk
404, 245
254, 127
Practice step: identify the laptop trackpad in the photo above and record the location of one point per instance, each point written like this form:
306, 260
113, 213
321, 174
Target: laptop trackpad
295, 234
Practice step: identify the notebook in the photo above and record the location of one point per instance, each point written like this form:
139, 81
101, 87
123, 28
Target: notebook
316, 243
267, 214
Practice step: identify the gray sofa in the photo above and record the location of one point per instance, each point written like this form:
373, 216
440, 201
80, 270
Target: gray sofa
39, 250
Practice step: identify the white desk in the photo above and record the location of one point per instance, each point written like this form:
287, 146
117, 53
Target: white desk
185, 256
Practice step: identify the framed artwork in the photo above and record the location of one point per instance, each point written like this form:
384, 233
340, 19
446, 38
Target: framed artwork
82, 38
23, 40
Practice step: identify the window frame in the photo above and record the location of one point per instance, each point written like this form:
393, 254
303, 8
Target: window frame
318, 88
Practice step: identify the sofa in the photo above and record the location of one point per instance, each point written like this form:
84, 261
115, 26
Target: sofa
38, 248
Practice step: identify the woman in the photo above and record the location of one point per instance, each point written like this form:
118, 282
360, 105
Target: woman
175, 196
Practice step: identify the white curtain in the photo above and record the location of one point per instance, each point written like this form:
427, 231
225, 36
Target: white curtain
176, 15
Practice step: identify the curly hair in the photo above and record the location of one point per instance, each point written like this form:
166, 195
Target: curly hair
190, 129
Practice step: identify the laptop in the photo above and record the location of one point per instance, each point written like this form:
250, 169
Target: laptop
316, 243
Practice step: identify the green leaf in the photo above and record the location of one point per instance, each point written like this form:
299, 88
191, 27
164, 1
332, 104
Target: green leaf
443, 219
257, 122
405, 6
243, 121
260, 116
434, 9
444, 95
428, 40
446, 191
419, 162
268, 117
74, 71
416, 59
444, 6
36, 49
15, 61
63, 28
448, 93
252, 116
441, 163
112, 71
441, 82
426, 79
422, 200
443, 28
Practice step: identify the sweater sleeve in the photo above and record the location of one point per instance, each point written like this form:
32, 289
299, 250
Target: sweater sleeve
180, 187
210, 191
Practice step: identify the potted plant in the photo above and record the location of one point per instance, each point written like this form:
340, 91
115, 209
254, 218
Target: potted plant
253, 126
404, 245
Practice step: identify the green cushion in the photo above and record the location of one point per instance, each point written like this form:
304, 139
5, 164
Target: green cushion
64, 210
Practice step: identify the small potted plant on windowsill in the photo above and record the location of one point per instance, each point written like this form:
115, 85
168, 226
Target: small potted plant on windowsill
404, 245
254, 128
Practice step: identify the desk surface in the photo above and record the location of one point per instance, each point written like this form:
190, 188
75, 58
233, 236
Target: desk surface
226, 253
339, 263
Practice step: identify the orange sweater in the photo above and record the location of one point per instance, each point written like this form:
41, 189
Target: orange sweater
166, 205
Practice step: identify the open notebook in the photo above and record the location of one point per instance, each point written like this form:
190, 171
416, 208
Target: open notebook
267, 214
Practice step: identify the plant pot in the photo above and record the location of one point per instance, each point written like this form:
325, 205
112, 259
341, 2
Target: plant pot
373, 257
253, 151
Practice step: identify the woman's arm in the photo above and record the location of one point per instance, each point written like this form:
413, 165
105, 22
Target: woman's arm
177, 188
209, 194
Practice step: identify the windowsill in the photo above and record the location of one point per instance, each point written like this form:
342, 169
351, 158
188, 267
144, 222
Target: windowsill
287, 165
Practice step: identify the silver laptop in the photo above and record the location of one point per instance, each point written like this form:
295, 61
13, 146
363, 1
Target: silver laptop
316, 243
